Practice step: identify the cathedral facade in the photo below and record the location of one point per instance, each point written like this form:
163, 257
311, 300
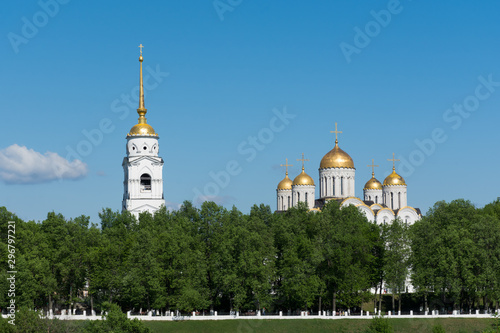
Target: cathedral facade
381, 203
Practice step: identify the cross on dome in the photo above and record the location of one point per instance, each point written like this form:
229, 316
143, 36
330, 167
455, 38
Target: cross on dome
303, 160
373, 166
336, 133
393, 160
286, 165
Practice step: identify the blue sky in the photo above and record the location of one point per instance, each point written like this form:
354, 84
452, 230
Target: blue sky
417, 78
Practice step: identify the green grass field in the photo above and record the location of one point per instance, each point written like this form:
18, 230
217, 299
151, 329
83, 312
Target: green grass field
319, 325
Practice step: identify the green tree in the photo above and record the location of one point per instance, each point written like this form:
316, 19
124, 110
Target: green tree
396, 256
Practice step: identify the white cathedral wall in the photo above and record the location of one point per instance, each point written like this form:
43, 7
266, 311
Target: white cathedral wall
399, 196
331, 181
373, 195
299, 194
283, 198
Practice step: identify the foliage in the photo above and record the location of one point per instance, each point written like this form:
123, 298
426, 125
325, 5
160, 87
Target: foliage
116, 321
380, 325
213, 258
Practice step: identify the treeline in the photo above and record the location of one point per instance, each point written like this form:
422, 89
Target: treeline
211, 258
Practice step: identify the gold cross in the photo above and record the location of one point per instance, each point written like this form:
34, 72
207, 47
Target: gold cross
303, 160
336, 133
141, 46
393, 160
373, 166
286, 165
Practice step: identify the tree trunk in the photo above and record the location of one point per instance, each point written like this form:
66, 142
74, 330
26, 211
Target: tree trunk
375, 298
319, 306
425, 301
91, 303
334, 304
380, 297
50, 302
399, 302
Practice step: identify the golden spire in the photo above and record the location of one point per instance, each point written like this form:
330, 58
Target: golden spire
336, 134
286, 165
393, 160
142, 127
141, 110
373, 166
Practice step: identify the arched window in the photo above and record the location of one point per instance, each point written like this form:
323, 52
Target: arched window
298, 196
399, 199
145, 182
376, 199
392, 200
341, 185
288, 202
306, 198
333, 186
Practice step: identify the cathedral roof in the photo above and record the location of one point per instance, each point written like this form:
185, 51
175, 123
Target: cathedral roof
285, 184
394, 179
303, 179
336, 158
142, 128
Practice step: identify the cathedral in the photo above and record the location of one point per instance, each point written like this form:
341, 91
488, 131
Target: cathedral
143, 167
382, 202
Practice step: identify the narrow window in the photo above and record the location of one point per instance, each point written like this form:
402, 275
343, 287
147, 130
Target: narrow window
341, 185
376, 199
288, 202
399, 200
298, 196
392, 200
145, 182
306, 198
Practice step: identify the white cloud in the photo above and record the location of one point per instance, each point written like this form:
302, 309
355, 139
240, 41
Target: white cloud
20, 165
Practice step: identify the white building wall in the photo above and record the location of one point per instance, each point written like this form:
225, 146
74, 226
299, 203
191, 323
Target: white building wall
398, 195
337, 182
300, 192
284, 199
373, 195
142, 158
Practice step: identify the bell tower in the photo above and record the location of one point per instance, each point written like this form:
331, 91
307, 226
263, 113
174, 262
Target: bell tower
143, 168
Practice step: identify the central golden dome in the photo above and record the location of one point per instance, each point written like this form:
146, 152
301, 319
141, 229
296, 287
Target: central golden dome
303, 179
285, 184
373, 184
394, 179
336, 158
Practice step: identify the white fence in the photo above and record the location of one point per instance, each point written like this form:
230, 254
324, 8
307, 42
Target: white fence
171, 316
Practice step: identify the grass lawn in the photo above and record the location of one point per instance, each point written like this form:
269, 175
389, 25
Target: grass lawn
319, 325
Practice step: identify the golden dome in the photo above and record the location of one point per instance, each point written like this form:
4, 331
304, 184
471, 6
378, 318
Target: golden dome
303, 179
394, 179
373, 184
142, 129
336, 158
285, 184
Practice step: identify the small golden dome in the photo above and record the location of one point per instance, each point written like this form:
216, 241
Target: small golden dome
142, 129
394, 179
285, 184
336, 158
373, 184
303, 179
